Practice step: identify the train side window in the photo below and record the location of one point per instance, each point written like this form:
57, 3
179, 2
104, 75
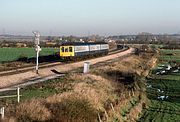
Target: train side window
70, 49
62, 49
66, 49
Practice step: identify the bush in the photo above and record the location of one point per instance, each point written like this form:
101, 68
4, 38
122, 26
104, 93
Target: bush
32, 111
73, 110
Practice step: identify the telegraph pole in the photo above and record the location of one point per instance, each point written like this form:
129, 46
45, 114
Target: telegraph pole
37, 48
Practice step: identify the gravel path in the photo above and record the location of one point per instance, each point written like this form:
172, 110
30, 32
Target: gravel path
6, 81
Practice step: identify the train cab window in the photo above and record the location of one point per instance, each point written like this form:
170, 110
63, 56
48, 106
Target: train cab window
66, 49
62, 49
70, 49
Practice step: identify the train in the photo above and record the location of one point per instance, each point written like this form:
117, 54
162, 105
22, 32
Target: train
81, 50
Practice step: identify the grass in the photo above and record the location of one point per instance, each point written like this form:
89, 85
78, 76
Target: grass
12, 54
73, 110
50, 101
40, 90
156, 45
80, 97
46, 89
170, 51
167, 110
33, 110
126, 109
170, 58
170, 55
68, 110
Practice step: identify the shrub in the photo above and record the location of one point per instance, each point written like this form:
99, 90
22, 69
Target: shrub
32, 111
73, 110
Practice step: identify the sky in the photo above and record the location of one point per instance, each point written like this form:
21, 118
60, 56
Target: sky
88, 17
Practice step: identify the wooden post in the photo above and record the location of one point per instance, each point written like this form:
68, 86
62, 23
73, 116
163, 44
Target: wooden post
18, 95
2, 113
106, 114
99, 118
133, 92
129, 94
112, 107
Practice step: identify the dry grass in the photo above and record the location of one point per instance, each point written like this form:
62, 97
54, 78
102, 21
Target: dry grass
135, 64
69, 109
127, 65
97, 90
94, 88
134, 113
33, 110
72, 110
90, 94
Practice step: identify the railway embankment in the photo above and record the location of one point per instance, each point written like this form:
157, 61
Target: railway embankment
112, 91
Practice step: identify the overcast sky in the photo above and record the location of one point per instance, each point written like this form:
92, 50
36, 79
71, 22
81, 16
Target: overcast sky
83, 17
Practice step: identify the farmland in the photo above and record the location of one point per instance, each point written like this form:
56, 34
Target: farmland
13, 54
173, 55
163, 92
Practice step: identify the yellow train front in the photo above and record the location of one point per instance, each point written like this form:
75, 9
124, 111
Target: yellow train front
83, 50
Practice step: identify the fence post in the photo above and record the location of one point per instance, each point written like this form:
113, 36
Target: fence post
2, 113
18, 95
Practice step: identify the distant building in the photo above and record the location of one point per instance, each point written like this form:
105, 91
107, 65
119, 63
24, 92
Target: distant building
81, 40
21, 45
49, 43
110, 41
5, 45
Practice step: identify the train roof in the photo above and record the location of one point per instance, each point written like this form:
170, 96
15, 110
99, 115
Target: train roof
82, 43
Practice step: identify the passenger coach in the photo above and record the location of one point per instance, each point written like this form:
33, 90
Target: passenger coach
74, 50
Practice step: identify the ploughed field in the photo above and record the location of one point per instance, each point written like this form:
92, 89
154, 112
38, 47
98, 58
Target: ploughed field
13, 54
163, 90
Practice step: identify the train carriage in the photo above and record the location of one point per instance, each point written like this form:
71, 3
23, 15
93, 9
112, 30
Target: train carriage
74, 50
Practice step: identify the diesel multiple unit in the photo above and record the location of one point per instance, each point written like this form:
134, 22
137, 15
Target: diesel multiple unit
71, 50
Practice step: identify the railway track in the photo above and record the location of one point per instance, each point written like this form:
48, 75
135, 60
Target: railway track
24, 76
46, 65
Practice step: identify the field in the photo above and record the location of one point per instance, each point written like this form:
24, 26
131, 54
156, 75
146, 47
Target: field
163, 92
12, 54
168, 55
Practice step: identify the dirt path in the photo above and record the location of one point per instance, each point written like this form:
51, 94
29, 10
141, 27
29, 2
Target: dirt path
10, 80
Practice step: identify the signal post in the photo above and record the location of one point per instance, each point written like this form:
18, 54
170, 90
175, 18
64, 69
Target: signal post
37, 48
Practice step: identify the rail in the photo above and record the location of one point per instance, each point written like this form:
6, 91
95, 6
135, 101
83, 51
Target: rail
45, 65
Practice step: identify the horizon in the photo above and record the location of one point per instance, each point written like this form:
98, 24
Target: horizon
155, 34
85, 18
